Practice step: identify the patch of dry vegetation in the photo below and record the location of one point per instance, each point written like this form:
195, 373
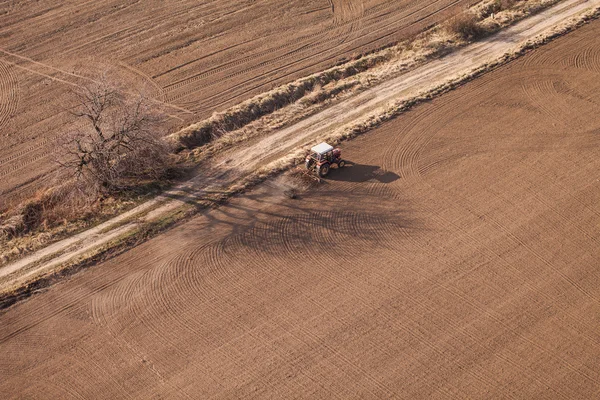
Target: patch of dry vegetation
65, 209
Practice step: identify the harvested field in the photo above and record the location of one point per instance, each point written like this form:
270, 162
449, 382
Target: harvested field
193, 57
456, 258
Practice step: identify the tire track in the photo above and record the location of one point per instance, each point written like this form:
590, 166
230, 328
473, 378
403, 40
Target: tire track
9, 93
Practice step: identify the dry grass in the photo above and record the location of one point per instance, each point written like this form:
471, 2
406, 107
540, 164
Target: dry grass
54, 213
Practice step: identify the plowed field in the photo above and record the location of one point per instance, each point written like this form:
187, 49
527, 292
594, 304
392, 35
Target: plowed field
195, 57
457, 257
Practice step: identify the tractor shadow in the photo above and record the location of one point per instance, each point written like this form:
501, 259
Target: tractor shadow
360, 173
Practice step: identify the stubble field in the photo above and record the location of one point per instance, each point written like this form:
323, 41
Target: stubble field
457, 257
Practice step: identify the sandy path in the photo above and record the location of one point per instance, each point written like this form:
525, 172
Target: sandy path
246, 160
457, 257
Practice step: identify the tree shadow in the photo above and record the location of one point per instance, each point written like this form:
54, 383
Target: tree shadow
321, 222
360, 173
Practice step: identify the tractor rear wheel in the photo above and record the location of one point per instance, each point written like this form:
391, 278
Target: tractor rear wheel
341, 164
323, 170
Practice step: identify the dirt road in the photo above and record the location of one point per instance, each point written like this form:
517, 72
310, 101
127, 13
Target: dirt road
244, 161
456, 258
194, 57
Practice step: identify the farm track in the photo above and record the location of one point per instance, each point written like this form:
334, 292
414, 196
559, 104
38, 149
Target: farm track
196, 58
455, 257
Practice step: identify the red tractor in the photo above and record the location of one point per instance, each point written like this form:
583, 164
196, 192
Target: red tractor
322, 157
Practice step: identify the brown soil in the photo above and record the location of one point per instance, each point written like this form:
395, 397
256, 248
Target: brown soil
455, 258
193, 57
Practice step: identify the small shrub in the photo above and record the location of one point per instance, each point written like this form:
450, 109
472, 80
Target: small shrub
466, 27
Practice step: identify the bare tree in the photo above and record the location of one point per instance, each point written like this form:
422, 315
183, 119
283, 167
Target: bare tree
120, 139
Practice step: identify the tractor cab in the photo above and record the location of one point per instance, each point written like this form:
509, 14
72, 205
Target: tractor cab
322, 156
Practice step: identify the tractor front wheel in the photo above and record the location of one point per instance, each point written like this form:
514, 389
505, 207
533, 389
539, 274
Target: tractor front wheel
341, 164
323, 170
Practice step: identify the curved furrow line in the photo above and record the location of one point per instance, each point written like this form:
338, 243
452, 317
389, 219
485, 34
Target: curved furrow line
578, 60
221, 267
397, 153
435, 165
384, 191
551, 94
180, 288
402, 157
562, 97
289, 232
535, 90
142, 309
105, 308
414, 149
141, 295
170, 309
327, 230
198, 272
189, 273
9, 93
5, 88
593, 62
267, 239
68, 299
536, 59
166, 305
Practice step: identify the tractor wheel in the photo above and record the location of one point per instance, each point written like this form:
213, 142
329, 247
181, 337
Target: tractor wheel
323, 170
308, 164
341, 164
